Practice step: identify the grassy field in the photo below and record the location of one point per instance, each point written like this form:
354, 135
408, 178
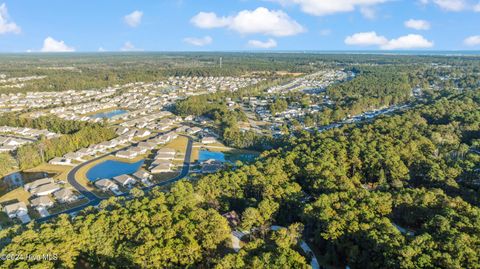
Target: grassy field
18, 194
60, 171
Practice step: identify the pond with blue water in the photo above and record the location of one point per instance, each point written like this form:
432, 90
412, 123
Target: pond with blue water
207, 155
108, 114
225, 157
110, 169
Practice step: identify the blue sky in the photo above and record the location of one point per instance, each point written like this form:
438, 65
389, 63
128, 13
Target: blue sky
212, 25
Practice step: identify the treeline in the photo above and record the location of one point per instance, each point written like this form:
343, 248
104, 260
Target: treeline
51, 123
31, 155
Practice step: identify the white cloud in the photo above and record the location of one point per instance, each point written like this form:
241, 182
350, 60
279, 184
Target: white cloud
410, 41
472, 41
208, 20
133, 19
328, 7
269, 44
128, 46
417, 24
366, 39
52, 45
199, 42
258, 21
7, 26
101, 49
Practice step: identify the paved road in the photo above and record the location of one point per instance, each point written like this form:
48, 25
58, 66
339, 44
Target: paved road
94, 200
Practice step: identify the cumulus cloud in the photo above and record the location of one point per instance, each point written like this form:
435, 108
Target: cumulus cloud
128, 46
417, 24
133, 19
208, 20
410, 41
7, 26
328, 7
366, 39
258, 21
269, 44
472, 41
52, 45
199, 42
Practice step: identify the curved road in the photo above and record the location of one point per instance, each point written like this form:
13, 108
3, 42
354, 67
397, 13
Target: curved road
94, 200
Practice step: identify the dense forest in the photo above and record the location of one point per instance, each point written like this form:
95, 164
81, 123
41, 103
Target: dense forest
398, 192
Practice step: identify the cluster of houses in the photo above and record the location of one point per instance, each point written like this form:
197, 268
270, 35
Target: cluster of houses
23, 101
318, 80
16, 82
42, 191
126, 181
14, 137
211, 84
162, 162
142, 147
162, 121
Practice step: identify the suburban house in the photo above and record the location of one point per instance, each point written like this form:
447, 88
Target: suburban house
35, 184
106, 185
19, 210
209, 140
146, 145
142, 133
161, 168
125, 180
138, 150
42, 201
64, 196
45, 189
166, 151
143, 176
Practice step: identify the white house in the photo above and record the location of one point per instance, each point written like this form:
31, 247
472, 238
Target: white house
64, 196
19, 210
161, 168
45, 189
42, 201
106, 185
125, 180
126, 154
